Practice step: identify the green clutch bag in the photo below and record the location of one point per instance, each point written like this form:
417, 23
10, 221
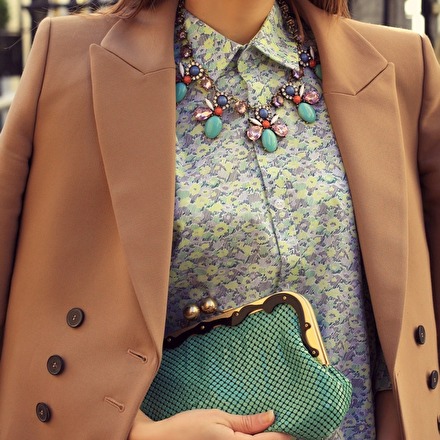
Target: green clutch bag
265, 355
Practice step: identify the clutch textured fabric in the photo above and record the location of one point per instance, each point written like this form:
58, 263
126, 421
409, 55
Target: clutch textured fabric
265, 355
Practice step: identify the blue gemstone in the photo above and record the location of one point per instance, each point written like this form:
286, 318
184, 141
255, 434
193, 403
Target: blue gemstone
304, 57
290, 90
194, 70
263, 113
222, 100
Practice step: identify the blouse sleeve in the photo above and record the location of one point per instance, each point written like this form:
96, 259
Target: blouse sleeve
429, 165
16, 141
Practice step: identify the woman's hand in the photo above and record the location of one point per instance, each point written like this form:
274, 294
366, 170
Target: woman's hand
206, 424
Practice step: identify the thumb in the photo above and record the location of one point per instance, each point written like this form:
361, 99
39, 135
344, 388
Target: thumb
252, 424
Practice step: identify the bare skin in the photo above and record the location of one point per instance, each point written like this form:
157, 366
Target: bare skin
240, 21
237, 20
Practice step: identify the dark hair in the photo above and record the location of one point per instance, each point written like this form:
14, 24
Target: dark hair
129, 8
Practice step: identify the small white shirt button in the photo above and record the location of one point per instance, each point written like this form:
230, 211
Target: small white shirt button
279, 204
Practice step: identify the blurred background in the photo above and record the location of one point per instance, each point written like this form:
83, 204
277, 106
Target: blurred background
19, 20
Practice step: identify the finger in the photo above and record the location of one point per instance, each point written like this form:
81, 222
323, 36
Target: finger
251, 424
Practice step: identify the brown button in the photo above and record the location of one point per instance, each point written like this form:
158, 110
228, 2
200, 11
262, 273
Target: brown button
55, 365
75, 317
433, 380
420, 335
43, 412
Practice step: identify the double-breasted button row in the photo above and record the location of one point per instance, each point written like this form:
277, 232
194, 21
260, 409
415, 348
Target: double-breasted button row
55, 363
420, 337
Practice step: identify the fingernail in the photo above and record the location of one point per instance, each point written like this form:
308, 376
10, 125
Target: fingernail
267, 417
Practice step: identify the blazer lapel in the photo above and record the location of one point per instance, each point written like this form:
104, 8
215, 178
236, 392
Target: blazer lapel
133, 76
360, 93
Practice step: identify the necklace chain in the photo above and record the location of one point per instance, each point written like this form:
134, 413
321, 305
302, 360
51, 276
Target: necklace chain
264, 122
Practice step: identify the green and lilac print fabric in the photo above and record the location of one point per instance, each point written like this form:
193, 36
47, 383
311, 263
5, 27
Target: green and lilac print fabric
249, 223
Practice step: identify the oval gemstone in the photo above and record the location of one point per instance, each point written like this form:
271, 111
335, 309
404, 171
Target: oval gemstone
213, 127
269, 140
290, 90
304, 57
202, 113
307, 112
312, 97
222, 100
318, 71
181, 90
206, 83
263, 113
280, 129
194, 70
254, 132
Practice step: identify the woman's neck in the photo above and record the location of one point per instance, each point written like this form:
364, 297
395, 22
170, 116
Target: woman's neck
238, 20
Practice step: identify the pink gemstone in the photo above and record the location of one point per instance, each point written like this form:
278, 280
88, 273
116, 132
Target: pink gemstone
280, 129
298, 73
182, 35
254, 132
206, 83
312, 97
186, 52
278, 101
240, 107
202, 113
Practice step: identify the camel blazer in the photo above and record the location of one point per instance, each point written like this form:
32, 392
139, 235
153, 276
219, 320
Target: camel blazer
86, 214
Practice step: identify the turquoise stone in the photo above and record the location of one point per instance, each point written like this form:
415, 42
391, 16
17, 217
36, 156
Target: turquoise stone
307, 112
213, 127
318, 71
181, 90
269, 139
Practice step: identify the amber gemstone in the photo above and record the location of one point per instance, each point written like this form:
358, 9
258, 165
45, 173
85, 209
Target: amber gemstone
240, 107
206, 83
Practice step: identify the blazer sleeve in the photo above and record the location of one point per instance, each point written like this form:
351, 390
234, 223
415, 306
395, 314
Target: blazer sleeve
16, 140
429, 165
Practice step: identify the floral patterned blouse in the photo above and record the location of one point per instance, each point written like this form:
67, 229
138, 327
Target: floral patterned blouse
250, 223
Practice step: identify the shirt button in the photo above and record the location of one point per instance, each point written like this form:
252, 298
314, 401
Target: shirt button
55, 365
420, 335
279, 204
433, 380
43, 412
75, 317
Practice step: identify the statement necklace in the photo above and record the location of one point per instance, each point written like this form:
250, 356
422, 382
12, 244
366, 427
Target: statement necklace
264, 122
